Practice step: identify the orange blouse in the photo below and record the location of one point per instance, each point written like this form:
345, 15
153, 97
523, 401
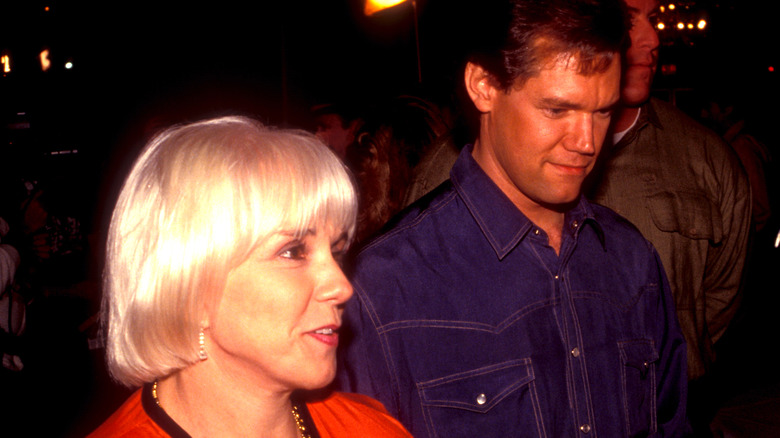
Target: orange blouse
340, 415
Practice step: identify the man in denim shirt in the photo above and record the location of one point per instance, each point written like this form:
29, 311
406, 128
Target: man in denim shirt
504, 303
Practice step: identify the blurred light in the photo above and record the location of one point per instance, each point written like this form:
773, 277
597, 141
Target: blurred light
6, 61
663, 8
690, 25
46, 8
671, 6
374, 6
660, 26
69, 65
771, 68
701, 24
45, 63
681, 25
669, 69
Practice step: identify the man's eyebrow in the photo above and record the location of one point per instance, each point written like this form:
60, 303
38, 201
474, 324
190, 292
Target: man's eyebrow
559, 103
565, 104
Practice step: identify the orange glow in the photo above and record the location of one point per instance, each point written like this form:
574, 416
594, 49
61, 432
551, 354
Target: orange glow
668, 69
681, 25
701, 24
6, 61
45, 63
671, 6
374, 6
660, 26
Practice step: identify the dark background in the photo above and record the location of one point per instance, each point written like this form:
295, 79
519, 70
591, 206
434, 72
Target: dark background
142, 65
139, 66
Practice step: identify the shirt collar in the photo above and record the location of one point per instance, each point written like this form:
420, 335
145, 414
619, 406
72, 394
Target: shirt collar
647, 115
500, 221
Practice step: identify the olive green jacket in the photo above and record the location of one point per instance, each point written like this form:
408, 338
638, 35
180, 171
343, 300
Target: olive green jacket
685, 190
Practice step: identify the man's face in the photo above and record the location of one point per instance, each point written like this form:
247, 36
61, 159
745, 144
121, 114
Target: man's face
540, 140
642, 57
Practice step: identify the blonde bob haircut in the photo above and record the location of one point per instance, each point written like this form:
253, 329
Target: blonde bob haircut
198, 200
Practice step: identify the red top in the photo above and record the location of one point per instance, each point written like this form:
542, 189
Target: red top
339, 415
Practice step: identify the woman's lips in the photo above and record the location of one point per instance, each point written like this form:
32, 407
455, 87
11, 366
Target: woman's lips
327, 335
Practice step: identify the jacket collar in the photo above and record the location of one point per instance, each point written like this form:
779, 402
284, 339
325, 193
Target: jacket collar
647, 115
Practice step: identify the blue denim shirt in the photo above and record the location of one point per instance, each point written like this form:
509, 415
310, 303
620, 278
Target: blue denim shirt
466, 323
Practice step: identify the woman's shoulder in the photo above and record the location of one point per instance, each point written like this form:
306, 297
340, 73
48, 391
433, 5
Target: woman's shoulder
343, 414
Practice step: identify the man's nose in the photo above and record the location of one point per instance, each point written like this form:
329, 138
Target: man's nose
581, 136
644, 35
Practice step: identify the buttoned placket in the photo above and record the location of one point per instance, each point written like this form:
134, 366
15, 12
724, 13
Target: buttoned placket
578, 385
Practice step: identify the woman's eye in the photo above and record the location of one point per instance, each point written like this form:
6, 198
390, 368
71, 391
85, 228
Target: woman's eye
339, 256
294, 252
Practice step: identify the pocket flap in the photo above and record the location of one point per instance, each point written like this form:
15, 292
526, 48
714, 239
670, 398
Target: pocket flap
477, 390
689, 214
638, 354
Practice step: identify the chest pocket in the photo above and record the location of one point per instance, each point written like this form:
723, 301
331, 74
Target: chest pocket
687, 213
493, 398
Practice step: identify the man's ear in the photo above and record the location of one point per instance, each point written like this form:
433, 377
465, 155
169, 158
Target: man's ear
479, 85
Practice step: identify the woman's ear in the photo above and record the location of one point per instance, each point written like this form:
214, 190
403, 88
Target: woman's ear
479, 85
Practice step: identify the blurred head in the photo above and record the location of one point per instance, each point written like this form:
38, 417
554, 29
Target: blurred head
518, 38
202, 204
641, 59
336, 126
389, 145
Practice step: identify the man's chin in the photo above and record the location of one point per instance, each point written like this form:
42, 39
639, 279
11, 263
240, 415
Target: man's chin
633, 96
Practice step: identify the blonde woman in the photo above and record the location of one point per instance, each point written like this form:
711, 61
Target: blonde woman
223, 290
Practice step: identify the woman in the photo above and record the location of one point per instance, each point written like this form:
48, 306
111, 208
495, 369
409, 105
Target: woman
223, 292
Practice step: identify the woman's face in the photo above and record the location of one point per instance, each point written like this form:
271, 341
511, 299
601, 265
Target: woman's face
278, 318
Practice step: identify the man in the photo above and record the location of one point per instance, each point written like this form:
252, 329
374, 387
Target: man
504, 303
685, 190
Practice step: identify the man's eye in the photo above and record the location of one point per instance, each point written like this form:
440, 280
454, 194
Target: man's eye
554, 112
604, 113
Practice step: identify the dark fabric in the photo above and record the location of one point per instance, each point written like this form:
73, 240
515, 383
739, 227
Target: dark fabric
467, 323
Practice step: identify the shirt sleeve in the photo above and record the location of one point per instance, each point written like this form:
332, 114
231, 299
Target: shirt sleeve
363, 364
726, 262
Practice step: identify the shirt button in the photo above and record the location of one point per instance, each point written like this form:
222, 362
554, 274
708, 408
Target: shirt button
575, 352
585, 428
536, 231
481, 399
575, 224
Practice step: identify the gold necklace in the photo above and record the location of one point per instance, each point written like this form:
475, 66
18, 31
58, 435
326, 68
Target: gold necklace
296, 415
299, 422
